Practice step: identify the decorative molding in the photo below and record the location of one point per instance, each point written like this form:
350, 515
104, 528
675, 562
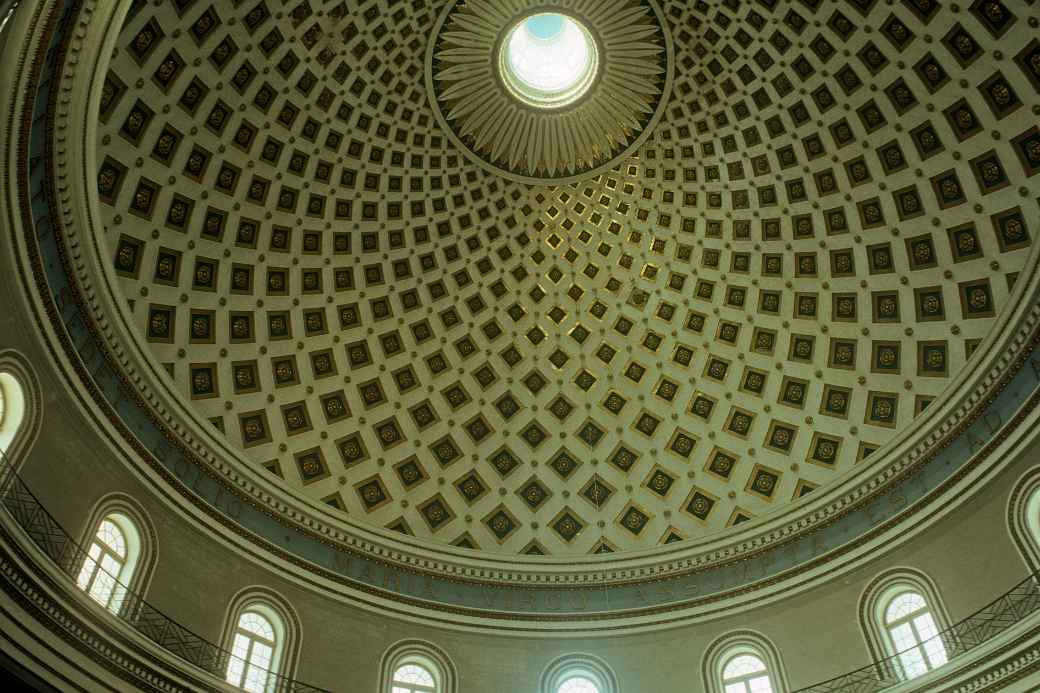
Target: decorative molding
742, 642
872, 604
606, 126
211, 466
288, 650
19, 367
421, 652
1023, 517
149, 539
33, 593
578, 664
1015, 668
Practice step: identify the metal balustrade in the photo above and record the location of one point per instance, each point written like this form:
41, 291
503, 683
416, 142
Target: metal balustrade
68, 555
1022, 601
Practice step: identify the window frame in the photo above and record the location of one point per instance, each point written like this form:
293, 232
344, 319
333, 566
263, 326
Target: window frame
12, 409
1023, 518
578, 664
743, 680
422, 664
423, 654
874, 604
276, 644
910, 620
136, 571
735, 644
21, 420
277, 611
92, 568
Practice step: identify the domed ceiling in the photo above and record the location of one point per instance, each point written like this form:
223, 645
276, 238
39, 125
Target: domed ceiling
808, 231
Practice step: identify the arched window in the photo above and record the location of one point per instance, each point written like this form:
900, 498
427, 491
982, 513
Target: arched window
262, 636
746, 673
20, 403
1024, 517
414, 666
743, 662
251, 666
120, 554
578, 673
12, 409
913, 634
112, 557
902, 617
413, 678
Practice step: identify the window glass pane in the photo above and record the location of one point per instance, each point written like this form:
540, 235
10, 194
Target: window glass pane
252, 622
936, 652
578, 684
256, 680
549, 52
111, 566
736, 688
413, 673
261, 656
925, 625
115, 602
87, 571
903, 605
236, 664
101, 589
104, 566
913, 664
914, 634
240, 647
112, 537
743, 665
251, 664
903, 637
760, 685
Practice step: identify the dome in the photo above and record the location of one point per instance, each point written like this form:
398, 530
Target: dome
424, 345
738, 313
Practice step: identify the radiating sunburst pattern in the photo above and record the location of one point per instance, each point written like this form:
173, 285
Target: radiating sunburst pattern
519, 139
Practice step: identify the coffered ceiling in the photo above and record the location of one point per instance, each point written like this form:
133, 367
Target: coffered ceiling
808, 245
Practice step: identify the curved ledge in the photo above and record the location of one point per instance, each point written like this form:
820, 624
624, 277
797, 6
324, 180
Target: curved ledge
975, 642
944, 454
50, 539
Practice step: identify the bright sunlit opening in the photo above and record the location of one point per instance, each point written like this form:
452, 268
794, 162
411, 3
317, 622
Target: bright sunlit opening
549, 60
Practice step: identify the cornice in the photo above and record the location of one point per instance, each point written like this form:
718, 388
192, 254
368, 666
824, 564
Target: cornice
52, 605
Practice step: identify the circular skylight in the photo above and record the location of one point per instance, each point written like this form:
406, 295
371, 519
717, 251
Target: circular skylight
549, 60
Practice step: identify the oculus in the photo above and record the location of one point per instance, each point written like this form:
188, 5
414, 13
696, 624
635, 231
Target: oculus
548, 60
549, 96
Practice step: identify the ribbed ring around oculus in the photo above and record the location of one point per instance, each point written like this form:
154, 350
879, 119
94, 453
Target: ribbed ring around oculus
549, 93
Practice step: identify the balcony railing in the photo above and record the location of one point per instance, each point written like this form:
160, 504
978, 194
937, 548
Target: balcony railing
1020, 602
131, 607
